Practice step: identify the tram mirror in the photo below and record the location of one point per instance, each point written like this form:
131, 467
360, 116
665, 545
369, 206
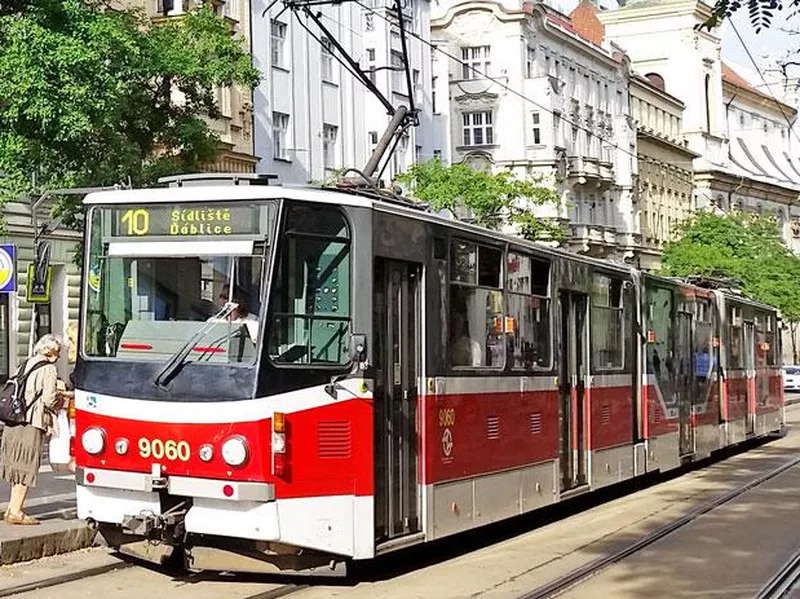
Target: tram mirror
358, 348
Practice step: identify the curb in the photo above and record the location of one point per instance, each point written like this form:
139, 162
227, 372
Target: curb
70, 536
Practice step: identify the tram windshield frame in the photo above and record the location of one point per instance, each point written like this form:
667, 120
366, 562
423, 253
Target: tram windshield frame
160, 275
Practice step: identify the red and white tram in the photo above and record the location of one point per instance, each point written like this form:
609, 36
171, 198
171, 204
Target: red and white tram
291, 378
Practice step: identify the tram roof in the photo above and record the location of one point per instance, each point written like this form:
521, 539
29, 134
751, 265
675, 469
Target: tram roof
355, 198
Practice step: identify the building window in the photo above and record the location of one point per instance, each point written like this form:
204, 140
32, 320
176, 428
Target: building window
373, 137
557, 129
398, 72
434, 53
329, 134
223, 98
476, 306
433, 94
476, 63
530, 63
280, 125
399, 157
369, 21
327, 59
478, 128
371, 64
277, 40
537, 131
708, 103
528, 283
437, 154
417, 153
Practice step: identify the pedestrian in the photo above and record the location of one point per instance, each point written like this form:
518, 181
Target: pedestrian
21, 446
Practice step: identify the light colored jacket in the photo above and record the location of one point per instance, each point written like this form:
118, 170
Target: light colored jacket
40, 394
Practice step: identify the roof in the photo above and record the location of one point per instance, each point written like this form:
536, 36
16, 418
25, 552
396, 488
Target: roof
735, 79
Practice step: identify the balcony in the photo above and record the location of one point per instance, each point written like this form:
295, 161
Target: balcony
584, 170
592, 239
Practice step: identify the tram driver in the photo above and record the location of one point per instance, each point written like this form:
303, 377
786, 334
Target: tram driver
241, 314
464, 350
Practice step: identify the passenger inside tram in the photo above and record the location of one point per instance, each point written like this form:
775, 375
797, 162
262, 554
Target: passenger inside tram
465, 351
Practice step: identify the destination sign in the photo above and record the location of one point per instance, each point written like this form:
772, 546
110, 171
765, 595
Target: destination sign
194, 220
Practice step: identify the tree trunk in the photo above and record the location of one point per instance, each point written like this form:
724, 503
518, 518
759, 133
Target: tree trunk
793, 333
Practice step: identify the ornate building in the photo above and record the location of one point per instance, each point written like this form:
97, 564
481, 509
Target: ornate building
535, 96
665, 189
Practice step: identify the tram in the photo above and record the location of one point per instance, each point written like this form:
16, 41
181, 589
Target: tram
288, 379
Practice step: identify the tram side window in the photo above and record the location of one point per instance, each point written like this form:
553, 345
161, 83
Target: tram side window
764, 339
527, 281
705, 354
608, 335
772, 351
660, 359
476, 306
735, 356
311, 293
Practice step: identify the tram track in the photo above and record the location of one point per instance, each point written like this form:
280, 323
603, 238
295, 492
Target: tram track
785, 580
276, 592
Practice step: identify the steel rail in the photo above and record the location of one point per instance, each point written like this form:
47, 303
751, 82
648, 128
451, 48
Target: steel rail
583, 573
784, 581
53, 581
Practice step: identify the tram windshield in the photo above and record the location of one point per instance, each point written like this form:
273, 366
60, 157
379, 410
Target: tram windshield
162, 276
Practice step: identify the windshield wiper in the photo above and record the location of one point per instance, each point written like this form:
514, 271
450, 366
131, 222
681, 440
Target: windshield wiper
177, 359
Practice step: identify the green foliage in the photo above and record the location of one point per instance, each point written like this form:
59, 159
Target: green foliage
493, 200
745, 247
88, 94
761, 12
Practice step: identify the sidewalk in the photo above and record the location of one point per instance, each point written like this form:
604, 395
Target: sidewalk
52, 502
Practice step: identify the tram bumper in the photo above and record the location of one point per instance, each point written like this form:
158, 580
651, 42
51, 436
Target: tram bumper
218, 524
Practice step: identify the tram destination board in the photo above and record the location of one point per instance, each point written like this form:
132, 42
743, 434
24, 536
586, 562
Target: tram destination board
194, 220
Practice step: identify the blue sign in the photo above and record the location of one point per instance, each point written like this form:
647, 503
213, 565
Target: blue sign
8, 268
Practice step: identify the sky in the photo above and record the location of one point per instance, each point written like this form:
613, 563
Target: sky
766, 47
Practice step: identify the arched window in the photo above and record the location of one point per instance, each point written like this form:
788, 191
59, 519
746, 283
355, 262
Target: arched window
708, 103
655, 80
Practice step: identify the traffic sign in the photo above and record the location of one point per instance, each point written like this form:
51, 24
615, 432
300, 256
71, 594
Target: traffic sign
8, 268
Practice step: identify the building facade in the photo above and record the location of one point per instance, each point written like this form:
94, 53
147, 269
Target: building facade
235, 123
537, 97
665, 183
312, 117
741, 136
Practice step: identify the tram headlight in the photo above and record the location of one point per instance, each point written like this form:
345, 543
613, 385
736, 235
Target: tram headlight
234, 451
206, 452
93, 440
121, 446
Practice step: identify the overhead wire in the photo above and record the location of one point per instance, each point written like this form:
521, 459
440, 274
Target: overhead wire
477, 71
778, 103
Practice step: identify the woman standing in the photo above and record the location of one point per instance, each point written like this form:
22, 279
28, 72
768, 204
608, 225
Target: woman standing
21, 445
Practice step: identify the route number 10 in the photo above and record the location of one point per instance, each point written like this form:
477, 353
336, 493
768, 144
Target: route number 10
137, 221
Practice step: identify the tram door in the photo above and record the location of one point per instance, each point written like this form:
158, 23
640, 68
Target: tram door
684, 384
397, 355
572, 391
750, 374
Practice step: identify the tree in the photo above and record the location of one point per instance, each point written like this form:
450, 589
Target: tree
761, 12
495, 201
744, 247
91, 95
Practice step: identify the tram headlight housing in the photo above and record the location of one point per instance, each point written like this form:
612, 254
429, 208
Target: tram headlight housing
234, 451
206, 452
93, 440
121, 446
